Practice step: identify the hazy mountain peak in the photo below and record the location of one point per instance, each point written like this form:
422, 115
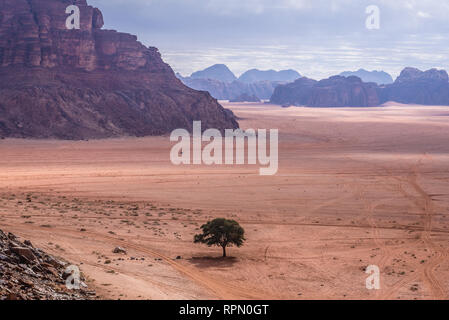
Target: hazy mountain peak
379, 77
216, 72
413, 74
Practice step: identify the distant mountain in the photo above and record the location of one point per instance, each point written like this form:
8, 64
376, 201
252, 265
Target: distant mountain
218, 72
256, 75
229, 90
222, 84
413, 86
295, 94
379, 77
336, 91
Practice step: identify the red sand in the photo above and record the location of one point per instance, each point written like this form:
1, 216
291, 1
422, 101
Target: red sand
355, 187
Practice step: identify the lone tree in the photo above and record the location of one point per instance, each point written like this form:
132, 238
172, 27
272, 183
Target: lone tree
221, 233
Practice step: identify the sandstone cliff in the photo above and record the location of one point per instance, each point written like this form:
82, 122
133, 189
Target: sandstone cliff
88, 83
411, 87
336, 91
414, 86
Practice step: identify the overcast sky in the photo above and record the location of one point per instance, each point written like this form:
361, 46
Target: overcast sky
318, 38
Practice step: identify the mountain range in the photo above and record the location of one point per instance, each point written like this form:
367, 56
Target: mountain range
88, 83
219, 72
222, 84
413, 86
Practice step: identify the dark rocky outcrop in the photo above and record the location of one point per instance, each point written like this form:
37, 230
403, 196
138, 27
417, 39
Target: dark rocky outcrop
297, 93
254, 75
411, 87
379, 77
245, 98
417, 87
28, 273
88, 83
336, 91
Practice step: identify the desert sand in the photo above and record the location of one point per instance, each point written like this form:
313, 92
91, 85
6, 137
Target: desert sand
355, 187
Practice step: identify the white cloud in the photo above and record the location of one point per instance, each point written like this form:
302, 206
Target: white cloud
317, 37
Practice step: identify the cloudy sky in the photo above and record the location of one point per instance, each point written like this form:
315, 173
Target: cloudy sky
318, 38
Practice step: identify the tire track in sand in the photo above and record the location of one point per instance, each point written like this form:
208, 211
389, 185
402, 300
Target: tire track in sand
424, 203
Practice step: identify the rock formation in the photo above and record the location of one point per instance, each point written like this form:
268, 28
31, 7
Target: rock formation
297, 93
336, 91
411, 87
219, 72
414, 86
222, 84
88, 83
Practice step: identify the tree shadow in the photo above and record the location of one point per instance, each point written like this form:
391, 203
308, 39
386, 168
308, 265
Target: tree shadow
213, 262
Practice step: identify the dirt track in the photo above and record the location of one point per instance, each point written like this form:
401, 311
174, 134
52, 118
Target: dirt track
355, 187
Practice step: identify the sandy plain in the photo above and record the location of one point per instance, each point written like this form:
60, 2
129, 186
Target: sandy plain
355, 187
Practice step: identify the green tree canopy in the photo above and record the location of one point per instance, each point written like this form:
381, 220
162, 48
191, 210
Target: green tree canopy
222, 233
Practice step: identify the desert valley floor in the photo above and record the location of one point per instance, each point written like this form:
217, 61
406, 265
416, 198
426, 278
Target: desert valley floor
355, 187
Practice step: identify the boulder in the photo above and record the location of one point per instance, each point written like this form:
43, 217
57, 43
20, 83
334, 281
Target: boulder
25, 253
119, 250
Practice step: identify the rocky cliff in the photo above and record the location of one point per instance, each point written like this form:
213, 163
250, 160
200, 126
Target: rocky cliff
411, 87
336, 91
430, 87
296, 93
88, 83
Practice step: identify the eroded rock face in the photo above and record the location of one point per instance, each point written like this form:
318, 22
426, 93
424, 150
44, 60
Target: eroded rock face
336, 91
411, 87
88, 83
430, 87
297, 93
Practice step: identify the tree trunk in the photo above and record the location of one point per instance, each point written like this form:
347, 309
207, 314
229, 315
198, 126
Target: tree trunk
224, 251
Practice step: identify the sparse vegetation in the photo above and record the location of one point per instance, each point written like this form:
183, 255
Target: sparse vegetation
222, 233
